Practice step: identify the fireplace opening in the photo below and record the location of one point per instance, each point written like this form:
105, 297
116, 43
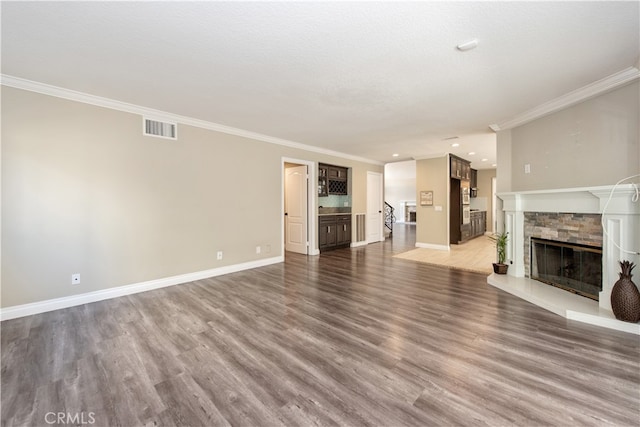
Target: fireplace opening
574, 267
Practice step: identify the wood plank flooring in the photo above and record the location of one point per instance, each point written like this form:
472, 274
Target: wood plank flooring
353, 337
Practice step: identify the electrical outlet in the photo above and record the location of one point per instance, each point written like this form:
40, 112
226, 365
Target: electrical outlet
219, 255
527, 168
258, 249
75, 279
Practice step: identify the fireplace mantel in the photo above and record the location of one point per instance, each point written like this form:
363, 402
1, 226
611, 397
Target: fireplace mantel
621, 229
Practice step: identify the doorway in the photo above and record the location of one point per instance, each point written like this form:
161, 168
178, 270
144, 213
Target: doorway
298, 206
374, 207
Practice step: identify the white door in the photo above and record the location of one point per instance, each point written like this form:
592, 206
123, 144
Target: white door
374, 207
295, 208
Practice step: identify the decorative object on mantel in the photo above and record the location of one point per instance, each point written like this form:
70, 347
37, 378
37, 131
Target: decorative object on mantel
501, 248
625, 297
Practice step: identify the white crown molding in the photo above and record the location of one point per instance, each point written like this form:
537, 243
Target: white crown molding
72, 95
23, 310
582, 94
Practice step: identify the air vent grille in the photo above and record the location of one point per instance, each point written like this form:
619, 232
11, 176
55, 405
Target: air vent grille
160, 129
360, 231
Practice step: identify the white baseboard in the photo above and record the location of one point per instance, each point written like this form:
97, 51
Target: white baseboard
358, 244
74, 300
432, 246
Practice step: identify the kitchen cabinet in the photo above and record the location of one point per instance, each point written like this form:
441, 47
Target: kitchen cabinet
477, 226
478, 223
455, 167
474, 178
334, 231
332, 180
337, 172
323, 183
343, 230
460, 168
460, 228
327, 236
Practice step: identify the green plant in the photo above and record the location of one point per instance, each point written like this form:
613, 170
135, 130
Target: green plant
501, 245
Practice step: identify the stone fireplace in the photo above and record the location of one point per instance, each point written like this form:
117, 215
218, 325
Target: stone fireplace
409, 211
572, 216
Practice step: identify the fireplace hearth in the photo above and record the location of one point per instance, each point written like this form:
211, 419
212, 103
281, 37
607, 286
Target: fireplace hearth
574, 267
616, 226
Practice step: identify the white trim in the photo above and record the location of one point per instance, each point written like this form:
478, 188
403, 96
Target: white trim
599, 87
45, 89
358, 244
89, 297
433, 246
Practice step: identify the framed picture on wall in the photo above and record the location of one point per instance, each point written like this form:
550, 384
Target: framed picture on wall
426, 198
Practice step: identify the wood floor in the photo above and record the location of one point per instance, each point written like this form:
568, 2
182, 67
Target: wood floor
352, 337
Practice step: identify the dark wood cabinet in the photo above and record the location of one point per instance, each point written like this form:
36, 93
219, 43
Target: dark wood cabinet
455, 167
460, 168
323, 183
337, 172
343, 230
478, 223
460, 228
332, 180
334, 231
465, 232
327, 236
466, 171
455, 211
474, 178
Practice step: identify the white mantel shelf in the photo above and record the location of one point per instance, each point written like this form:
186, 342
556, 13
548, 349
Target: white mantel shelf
580, 199
561, 302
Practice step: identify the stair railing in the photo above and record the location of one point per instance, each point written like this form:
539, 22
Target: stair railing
389, 217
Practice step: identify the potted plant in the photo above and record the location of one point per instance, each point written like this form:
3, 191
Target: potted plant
501, 248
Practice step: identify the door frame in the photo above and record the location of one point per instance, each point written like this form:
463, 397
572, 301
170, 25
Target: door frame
380, 178
311, 203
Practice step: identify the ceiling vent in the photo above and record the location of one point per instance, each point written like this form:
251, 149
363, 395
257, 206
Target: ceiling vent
160, 129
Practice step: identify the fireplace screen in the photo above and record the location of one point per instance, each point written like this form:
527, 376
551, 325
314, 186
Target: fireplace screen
576, 268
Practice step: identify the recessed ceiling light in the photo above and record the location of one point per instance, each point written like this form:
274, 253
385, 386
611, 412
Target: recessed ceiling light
484, 160
471, 44
471, 153
455, 144
395, 154
494, 165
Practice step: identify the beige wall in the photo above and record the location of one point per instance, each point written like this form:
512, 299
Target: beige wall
485, 176
592, 143
83, 191
432, 227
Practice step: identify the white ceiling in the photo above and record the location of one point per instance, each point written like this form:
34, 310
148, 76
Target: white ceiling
366, 79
